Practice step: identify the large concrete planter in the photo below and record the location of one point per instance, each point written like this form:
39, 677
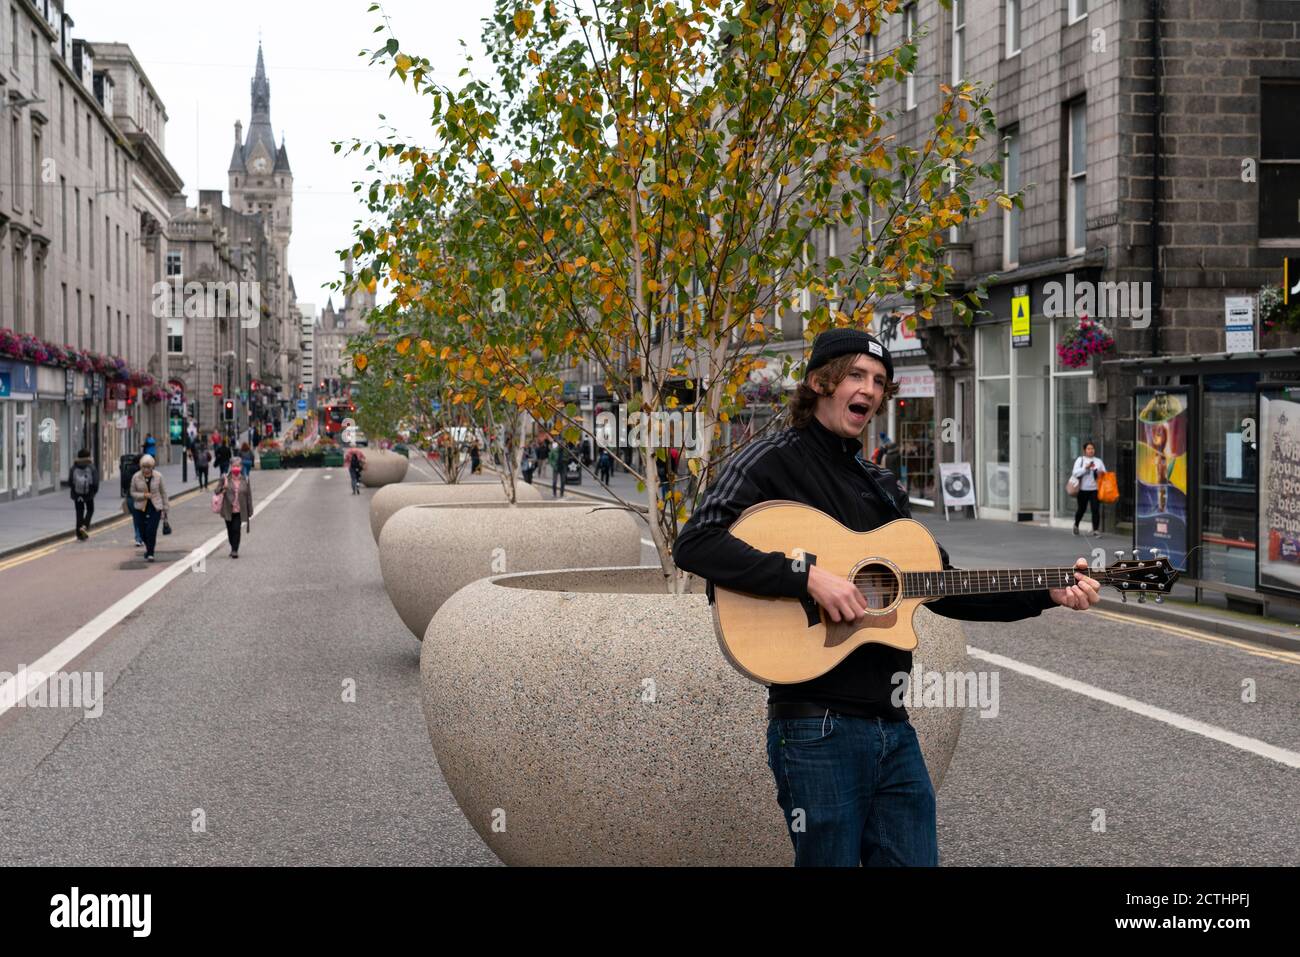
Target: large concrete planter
428, 552
383, 467
391, 499
586, 717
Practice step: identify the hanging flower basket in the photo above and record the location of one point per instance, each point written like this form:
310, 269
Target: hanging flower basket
1089, 338
1275, 314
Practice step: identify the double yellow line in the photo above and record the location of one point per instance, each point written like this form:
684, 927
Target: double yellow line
1289, 657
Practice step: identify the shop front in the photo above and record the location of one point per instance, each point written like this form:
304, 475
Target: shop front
1034, 412
17, 406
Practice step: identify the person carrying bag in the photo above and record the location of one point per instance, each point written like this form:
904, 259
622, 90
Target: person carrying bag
233, 500
149, 497
1088, 469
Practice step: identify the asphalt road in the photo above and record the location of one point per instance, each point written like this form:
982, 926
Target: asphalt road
225, 696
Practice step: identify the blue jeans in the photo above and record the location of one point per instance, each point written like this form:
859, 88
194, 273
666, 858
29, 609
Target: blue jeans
854, 791
137, 520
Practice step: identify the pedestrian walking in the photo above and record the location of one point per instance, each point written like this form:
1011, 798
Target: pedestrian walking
356, 464
1083, 482
83, 485
604, 466
221, 455
234, 500
130, 465
150, 445
246, 458
149, 494
558, 467
202, 459
528, 464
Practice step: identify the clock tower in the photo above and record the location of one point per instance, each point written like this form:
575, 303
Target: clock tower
260, 178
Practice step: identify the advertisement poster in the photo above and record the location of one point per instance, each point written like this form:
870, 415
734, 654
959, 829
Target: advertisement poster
958, 484
1279, 491
1160, 515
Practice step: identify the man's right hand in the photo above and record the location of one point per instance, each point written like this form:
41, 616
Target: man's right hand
840, 598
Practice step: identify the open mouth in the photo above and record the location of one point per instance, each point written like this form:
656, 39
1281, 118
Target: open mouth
859, 408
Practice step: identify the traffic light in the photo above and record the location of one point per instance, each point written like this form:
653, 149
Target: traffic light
230, 410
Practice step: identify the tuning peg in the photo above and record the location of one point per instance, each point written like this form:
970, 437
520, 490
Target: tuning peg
1123, 597
1160, 599
1142, 598
1119, 553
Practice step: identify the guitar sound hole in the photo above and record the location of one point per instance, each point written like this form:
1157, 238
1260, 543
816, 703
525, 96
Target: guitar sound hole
878, 584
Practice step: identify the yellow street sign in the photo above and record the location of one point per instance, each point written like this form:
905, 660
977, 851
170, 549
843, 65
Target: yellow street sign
1020, 316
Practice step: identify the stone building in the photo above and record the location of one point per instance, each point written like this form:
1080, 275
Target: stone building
84, 191
333, 362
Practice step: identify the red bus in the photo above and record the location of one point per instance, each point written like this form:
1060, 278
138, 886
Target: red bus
333, 415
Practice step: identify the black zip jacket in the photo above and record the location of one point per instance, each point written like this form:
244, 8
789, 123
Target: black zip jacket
814, 466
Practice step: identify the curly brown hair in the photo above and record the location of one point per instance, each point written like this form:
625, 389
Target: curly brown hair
824, 380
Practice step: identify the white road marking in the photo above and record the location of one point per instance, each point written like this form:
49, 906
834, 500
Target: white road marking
646, 541
1183, 723
56, 659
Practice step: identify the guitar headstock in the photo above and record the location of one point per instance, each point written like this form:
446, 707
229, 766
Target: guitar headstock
1140, 576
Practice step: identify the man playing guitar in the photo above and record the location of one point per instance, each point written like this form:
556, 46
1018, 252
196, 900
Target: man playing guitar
846, 760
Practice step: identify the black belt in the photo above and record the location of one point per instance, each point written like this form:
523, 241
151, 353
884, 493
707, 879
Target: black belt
785, 710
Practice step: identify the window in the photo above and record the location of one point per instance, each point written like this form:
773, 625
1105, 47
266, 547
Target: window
1011, 183
909, 30
90, 229
80, 342
16, 159
1012, 25
174, 262
958, 40
871, 58
38, 194
36, 64
1279, 163
1076, 219
63, 295
63, 115
20, 284
38, 293
1078, 9
63, 210
93, 337
175, 336
833, 252
108, 252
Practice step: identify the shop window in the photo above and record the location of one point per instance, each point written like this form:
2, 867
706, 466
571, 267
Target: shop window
1279, 161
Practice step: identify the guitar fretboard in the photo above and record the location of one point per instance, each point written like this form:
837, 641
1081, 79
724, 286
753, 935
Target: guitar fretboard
990, 581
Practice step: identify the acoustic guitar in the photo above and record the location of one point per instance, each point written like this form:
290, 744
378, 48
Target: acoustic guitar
897, 567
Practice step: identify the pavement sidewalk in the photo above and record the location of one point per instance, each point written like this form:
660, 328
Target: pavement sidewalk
36, 520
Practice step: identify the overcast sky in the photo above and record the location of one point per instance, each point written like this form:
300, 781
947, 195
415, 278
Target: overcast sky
200, 57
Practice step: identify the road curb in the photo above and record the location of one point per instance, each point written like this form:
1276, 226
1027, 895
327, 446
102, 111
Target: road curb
1266, 633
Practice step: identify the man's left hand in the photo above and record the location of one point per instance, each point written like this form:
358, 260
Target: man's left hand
1082, 595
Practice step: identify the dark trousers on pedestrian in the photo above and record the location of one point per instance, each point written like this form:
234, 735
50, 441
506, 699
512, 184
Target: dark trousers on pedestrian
149, 527
854, 791
557, 476
202, 475
85, 505
1088, 499
232, 532
356, 481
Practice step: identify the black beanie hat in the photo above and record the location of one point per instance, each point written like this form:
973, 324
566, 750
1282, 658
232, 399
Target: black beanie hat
843, 342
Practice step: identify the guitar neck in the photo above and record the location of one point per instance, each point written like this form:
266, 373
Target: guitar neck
988, 582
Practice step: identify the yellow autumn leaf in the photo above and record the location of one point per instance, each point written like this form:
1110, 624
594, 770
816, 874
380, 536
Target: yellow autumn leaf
774, 70
534, 58
1005, 202
403, 345
360, 361
403, 62
548, 235
523, 21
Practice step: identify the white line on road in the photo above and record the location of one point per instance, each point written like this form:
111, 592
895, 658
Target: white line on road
1222, 735
646, 541
53, 661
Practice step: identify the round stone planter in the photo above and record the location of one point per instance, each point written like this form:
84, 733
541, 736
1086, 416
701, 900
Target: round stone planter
391, 499
428, 552
383, 467
586, 717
